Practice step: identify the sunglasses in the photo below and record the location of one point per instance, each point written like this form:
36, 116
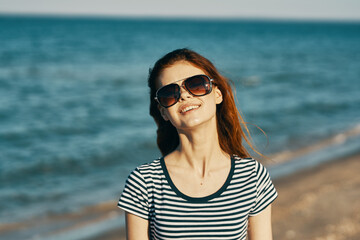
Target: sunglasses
198, 85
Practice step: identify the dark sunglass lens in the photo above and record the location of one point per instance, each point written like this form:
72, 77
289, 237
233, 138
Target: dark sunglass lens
198, 85
168, 95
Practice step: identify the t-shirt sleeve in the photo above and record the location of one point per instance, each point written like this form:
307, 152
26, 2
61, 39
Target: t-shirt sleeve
134, 198
265, 190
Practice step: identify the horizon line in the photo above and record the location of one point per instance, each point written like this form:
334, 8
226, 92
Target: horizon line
178, 17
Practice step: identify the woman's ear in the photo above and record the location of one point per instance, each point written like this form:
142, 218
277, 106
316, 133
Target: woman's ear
218, 95
163, 112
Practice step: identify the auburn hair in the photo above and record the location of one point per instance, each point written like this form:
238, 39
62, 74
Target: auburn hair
229, 119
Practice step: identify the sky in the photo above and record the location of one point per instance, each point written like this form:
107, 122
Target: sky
280, 9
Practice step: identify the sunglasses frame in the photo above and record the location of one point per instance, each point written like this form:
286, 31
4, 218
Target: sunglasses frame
182, 85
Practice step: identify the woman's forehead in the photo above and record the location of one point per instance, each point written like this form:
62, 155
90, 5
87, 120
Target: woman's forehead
176, 72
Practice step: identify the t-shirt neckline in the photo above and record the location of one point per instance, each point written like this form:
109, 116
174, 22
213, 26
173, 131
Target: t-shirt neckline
198, 199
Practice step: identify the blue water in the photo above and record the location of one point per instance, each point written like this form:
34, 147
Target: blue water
74, 101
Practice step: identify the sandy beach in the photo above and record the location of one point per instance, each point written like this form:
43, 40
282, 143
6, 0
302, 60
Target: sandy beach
321, 203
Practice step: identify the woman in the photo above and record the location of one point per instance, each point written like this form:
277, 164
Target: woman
206, 186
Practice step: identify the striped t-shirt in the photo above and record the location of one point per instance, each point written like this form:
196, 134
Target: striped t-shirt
150, 194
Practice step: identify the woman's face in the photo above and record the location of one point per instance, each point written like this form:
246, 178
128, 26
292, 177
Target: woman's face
202, 109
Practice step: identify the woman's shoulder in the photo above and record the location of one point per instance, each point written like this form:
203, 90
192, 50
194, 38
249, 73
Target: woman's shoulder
247, 163
148, 168
243, 160
150, 165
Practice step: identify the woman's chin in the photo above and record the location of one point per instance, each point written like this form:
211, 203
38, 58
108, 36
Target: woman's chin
194, 123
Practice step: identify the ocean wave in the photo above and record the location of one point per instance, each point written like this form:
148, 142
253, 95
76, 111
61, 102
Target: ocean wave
333, 140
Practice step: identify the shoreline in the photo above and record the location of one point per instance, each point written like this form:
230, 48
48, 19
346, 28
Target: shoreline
316, 203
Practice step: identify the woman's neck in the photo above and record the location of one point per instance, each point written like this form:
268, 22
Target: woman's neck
200, 149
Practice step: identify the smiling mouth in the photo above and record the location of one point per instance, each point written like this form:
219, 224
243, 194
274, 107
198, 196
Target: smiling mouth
189, 108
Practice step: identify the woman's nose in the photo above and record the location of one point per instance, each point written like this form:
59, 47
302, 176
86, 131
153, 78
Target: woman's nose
184, 93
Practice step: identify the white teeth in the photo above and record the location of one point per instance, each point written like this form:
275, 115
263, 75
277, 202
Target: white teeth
189, 108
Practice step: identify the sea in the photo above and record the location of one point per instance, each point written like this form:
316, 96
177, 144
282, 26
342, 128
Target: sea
74, 101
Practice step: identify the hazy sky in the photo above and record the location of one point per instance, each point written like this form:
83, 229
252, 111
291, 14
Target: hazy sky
303, 9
